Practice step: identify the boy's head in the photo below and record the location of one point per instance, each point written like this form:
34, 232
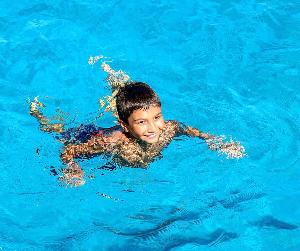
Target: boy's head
135, 96
139, 111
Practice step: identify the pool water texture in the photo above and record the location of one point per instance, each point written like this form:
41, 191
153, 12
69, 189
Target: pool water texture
226, 67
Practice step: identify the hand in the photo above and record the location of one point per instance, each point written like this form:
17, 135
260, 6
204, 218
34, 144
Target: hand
73, 175
233, 150
34, 105
214, 143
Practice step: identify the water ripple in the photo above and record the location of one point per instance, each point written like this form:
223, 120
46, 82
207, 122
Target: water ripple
271, 222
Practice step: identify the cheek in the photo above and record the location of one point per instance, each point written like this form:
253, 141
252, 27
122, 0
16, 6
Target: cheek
139, 130
160, 124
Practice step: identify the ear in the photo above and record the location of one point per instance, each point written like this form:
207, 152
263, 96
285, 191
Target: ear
123, 125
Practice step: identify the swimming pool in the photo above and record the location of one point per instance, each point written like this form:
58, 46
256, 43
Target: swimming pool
227, 67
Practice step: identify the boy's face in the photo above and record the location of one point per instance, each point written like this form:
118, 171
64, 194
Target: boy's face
146, 125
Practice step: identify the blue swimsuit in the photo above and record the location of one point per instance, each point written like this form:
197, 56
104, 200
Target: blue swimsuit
79, 134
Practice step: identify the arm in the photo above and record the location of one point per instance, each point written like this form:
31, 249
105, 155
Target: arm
73, 174
45, 125
95, 145
193, 132
231, 149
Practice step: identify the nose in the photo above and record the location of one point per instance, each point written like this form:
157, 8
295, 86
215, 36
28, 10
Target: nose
151, 127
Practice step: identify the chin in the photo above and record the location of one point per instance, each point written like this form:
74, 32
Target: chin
152, 141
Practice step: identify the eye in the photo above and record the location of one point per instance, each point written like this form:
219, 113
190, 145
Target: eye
141, 122
157, 117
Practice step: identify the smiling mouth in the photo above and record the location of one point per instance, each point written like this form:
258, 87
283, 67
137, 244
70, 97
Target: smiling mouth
151, 136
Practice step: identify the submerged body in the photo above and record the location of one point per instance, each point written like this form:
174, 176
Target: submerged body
124, 148
135, 143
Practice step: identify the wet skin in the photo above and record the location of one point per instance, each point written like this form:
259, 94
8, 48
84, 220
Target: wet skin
145, 125
136, 144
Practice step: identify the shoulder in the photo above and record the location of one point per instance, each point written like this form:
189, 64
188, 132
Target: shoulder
170, 130
110, 135
116, 136
107, 135
172, 125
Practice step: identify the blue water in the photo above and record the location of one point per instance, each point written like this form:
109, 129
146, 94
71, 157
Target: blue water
226, 67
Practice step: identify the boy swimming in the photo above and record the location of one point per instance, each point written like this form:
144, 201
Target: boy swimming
136, 141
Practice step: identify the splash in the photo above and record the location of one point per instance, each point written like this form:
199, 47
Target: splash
115, 80
46, 124
232, 149
94, 60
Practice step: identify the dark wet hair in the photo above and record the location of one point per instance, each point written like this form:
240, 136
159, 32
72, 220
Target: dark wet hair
135, 96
